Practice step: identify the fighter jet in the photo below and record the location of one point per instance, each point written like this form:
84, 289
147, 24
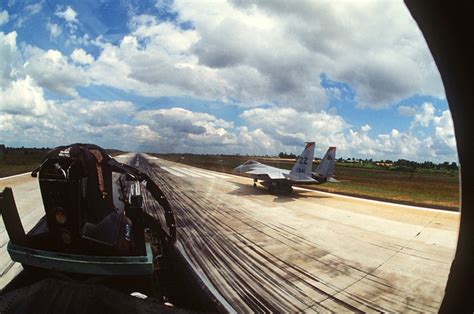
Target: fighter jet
282, 180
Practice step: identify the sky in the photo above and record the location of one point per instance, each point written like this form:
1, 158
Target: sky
243, 76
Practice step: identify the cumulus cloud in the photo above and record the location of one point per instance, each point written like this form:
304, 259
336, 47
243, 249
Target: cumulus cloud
28, 12
100, 113
444, 131
160, 58
4, 17
70, 17
54, 30
81, 57
52, 70
32, 9
190, 128
23, 97
9, 57
351, 44
366, 128
271, 52
47, 69
406, 111
424, 117
289, 128
79, 120
439, 125
68, 14
268, 131
265, 57
439, 145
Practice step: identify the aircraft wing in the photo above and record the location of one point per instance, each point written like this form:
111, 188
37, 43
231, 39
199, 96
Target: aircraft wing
301, 179
269, 172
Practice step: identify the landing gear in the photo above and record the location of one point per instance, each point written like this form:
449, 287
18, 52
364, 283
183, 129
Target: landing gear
278, 187
284, 188
254, 183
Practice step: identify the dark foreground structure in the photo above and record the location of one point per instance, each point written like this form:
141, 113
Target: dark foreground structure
95, 241
447, 28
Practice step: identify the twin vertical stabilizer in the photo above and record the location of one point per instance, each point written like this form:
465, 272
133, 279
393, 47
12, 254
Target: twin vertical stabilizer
304, 162
325, 168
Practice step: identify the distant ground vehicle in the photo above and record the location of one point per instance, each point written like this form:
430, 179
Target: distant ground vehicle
301, 173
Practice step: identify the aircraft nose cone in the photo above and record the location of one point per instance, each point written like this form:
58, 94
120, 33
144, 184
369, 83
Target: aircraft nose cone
238, 169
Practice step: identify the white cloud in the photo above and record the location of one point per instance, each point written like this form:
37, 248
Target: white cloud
9, 57
32, 9
424, 117
182, 121
81, 57
406, 111
79, 120
366, 128
290, 128
269, 52
4, 17
184, 130
291, 44
159, 58
444, 130
23, 97
52, 71
54, 30
100, 113
68, 14
28, 12
287, 129
439, 127
242, 53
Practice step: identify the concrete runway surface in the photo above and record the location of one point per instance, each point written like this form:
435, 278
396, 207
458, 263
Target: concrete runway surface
307, 251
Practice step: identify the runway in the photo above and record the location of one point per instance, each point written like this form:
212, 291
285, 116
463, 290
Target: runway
307, 251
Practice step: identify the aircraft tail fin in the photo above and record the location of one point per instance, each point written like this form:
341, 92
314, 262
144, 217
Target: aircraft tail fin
304, 162
325, 168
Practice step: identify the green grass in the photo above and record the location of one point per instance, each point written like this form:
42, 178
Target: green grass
434, 188
21, 160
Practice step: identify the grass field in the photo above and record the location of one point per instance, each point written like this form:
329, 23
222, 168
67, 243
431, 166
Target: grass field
438, 189
21, 160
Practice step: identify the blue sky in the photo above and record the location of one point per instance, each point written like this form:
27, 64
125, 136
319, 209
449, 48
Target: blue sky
222, 77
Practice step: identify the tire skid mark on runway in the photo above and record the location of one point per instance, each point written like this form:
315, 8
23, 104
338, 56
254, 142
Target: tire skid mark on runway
233, 275
186, 173
235, 278
199, 173
315, 278
269, 260
212, 173
387, 288
173, 172
249, 276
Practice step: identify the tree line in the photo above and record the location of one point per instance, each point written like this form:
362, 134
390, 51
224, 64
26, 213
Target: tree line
400, 164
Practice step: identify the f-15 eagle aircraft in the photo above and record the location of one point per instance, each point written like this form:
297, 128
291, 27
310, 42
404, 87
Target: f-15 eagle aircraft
301, 173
